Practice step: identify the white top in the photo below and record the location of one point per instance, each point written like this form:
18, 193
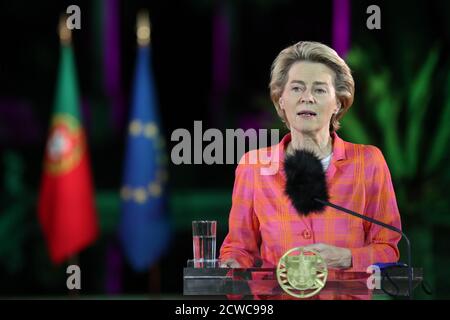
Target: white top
326, 161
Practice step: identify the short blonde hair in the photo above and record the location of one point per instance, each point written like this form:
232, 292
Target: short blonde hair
312, 52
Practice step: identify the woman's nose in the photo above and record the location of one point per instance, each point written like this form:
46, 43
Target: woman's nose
306, 97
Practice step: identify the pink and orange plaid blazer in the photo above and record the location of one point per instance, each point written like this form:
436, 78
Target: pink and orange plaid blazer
263, 224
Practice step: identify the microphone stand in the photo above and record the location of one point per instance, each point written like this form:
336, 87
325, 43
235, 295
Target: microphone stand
410, 273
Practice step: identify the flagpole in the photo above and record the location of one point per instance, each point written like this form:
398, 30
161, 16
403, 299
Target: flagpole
65, 38
143, 31
143, 38
65, 35
74, 260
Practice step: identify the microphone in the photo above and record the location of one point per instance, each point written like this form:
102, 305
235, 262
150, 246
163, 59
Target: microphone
307, 189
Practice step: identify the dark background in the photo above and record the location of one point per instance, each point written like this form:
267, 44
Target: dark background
182, 41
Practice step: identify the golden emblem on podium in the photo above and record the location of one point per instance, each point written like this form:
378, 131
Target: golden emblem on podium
301, 272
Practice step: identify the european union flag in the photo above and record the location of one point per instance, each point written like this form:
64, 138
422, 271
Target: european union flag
144, 227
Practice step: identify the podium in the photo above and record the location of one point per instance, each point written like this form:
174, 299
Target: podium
257, 283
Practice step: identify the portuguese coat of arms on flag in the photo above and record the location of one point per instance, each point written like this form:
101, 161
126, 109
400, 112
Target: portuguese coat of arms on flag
66, 207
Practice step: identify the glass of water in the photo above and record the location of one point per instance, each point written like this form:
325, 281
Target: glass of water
204, 243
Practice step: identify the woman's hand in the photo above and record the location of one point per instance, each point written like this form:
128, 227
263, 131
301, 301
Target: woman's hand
335, 257
230, 263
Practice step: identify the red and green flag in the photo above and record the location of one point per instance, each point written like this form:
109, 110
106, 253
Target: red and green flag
66, 206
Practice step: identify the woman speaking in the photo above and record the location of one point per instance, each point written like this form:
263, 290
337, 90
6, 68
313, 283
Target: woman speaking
312, 88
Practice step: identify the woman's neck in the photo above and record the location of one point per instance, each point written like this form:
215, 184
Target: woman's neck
320, 143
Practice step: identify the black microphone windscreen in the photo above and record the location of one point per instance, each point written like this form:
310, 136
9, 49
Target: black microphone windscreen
306, 181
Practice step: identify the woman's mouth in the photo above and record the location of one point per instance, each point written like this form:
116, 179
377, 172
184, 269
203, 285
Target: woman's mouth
306, 114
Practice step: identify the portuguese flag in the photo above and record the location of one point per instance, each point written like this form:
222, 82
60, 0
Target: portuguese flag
66, 202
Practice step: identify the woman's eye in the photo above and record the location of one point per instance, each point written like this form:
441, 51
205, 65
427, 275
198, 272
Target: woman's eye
320, 91
296, 89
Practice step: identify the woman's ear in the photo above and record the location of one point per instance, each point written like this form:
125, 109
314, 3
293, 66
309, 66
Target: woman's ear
338, 108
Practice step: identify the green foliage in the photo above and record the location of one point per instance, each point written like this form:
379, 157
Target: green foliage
408, 119
442, 136
14, 225
383, 100
419, 96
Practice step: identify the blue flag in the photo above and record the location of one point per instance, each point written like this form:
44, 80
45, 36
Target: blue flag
144, 232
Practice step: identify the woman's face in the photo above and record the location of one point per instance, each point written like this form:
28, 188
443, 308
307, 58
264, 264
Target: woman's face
309, 98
